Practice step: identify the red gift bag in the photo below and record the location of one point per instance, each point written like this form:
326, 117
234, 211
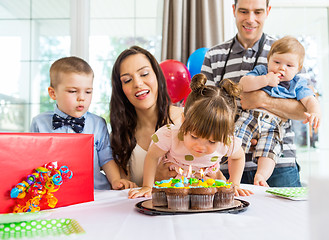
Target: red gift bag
22, 153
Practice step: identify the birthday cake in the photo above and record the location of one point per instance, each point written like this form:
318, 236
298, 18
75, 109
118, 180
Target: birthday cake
184, 194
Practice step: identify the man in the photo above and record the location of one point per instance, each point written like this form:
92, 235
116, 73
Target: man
236, 57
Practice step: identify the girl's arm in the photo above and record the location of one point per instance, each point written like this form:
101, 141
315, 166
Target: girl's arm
264, 171
236, 164
150, 165
313, 114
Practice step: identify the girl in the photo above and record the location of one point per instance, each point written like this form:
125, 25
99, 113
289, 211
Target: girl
139, 105
205, 136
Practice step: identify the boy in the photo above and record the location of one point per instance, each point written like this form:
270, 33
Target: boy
71, 85
285, 60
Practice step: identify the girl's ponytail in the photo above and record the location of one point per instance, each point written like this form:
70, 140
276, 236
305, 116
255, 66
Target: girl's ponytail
198, 83
230, 87
232, 91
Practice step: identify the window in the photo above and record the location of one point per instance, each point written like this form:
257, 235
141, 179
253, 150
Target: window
33, 34
131, 22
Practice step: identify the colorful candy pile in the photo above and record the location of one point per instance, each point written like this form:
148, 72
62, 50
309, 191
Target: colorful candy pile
191, 182
37, 190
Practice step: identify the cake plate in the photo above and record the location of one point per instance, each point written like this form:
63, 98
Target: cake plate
147, 208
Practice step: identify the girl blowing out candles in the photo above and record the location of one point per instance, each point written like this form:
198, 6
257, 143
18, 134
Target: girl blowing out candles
204, 137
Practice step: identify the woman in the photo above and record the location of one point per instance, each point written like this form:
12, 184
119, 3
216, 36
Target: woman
139, 105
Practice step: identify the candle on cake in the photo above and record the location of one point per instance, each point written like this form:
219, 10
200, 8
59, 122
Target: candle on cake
181, 172
189, 171
202, 174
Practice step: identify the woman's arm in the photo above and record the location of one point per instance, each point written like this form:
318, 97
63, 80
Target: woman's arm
163, 171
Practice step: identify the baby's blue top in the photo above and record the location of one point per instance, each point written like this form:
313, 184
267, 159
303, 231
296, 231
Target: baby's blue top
93, 125
298, 86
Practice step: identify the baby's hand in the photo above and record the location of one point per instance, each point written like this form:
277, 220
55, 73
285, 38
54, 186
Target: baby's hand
122, 184
273, 79
141, 192
242, 192
259, 180
313, 119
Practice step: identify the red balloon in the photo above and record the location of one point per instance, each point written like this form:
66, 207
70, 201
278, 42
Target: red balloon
185, 98
178, 79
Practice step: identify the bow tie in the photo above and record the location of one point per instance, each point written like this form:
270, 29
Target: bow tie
285, 84
77, 124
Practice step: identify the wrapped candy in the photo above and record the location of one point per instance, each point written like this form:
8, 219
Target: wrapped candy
37, 189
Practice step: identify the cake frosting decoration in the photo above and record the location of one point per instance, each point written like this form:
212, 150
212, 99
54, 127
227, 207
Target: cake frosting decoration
182, 193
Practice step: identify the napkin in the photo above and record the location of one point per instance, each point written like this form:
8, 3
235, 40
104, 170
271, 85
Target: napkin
39, 228
293, 193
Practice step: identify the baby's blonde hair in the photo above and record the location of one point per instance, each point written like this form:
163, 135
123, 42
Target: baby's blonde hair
68, 65
209, 110
288, 44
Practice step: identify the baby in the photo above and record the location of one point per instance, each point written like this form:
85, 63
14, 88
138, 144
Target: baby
285, 60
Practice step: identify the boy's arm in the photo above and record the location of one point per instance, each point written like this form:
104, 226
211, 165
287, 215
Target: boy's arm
284, 108
105, 159
112, 173
251, 82
150, 165
34, 126
313, 114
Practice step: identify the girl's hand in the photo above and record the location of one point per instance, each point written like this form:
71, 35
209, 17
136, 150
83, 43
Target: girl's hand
259, 180
141, 192
242, 192
123, 184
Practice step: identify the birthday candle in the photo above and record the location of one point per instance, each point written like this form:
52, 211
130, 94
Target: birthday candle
181, 173
189, 171
202, 174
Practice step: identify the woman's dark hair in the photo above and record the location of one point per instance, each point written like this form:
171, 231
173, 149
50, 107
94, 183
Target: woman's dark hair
123, 116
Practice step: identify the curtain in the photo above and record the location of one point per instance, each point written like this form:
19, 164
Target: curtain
189, 25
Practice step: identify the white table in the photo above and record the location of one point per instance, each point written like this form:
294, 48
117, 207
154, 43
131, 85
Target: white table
113, 216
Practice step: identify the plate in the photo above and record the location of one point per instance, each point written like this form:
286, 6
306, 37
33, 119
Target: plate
24, 216
147, 208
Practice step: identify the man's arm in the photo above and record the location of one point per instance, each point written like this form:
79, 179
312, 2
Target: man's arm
284, 108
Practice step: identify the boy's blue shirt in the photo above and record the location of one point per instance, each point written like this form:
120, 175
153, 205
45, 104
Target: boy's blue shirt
93, 125
298, 86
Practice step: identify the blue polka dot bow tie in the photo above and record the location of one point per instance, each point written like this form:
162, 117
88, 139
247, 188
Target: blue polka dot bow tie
77, 124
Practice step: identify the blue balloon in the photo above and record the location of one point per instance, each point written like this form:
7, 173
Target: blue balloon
194, 62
